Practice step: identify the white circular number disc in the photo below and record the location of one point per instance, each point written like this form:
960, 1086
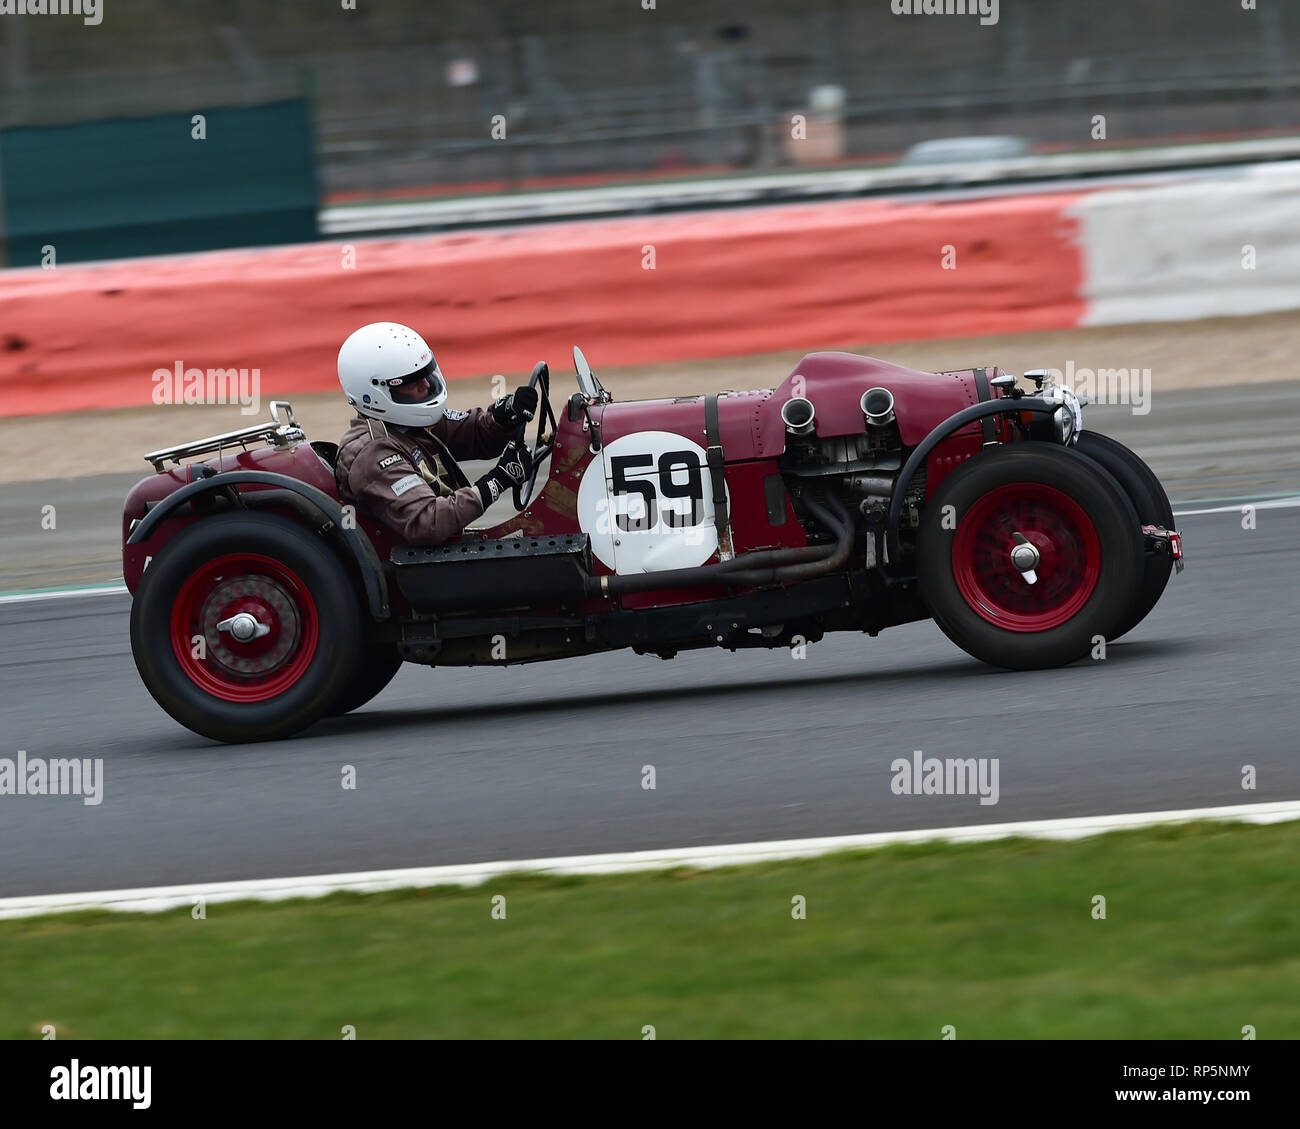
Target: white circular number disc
646, 504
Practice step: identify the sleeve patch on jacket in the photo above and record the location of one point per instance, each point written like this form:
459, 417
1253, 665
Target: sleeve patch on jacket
410, 482
455, 413
389, 461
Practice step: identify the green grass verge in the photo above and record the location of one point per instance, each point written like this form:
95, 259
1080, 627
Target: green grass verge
1201, 937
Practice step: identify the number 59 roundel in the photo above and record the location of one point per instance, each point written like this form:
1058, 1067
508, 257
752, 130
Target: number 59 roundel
643, 504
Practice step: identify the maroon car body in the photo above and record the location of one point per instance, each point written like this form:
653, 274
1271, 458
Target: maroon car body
747, 518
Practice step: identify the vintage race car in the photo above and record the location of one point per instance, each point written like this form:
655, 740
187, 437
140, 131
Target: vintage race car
856, 496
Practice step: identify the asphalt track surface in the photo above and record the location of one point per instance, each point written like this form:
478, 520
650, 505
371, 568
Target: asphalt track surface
456, 765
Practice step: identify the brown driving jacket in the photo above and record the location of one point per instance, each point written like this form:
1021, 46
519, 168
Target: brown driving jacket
407, 477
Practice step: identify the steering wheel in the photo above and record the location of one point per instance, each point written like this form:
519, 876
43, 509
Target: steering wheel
543, 442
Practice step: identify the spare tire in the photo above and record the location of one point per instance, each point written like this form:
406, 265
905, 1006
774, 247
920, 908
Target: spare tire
377, 667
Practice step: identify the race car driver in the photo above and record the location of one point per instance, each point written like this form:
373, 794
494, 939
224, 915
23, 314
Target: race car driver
397, 459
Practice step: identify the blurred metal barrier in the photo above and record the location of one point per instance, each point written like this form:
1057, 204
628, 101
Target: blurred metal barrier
435, 97
1074, 171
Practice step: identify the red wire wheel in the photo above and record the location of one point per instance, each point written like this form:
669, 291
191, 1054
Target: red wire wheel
1087, 555
244, 627
1069, 563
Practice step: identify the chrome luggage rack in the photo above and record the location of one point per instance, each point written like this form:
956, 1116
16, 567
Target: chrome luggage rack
276, 432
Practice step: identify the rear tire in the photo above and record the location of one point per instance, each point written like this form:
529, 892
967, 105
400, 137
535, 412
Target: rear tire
1084, 528
1152, 505
277, 575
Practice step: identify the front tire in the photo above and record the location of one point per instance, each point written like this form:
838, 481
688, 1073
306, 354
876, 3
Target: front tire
246, 627
1087, 540
1152, 505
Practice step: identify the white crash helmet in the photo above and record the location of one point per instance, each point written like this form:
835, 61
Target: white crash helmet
382, 367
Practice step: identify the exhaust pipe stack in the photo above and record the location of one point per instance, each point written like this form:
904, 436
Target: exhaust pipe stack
878, 406
798, 415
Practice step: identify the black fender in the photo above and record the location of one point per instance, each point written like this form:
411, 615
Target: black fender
318, 508
937, 435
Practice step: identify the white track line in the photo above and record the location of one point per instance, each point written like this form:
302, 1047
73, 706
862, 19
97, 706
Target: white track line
151, 900
64, 594
1267, 504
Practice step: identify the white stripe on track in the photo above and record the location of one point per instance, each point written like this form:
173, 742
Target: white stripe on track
153, 899
63, 594
1267, 504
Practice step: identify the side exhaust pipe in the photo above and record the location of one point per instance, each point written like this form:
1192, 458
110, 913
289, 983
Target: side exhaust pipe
798, 415
768, 566
878, 406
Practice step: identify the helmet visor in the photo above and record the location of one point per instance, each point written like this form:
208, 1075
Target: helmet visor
420, 387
